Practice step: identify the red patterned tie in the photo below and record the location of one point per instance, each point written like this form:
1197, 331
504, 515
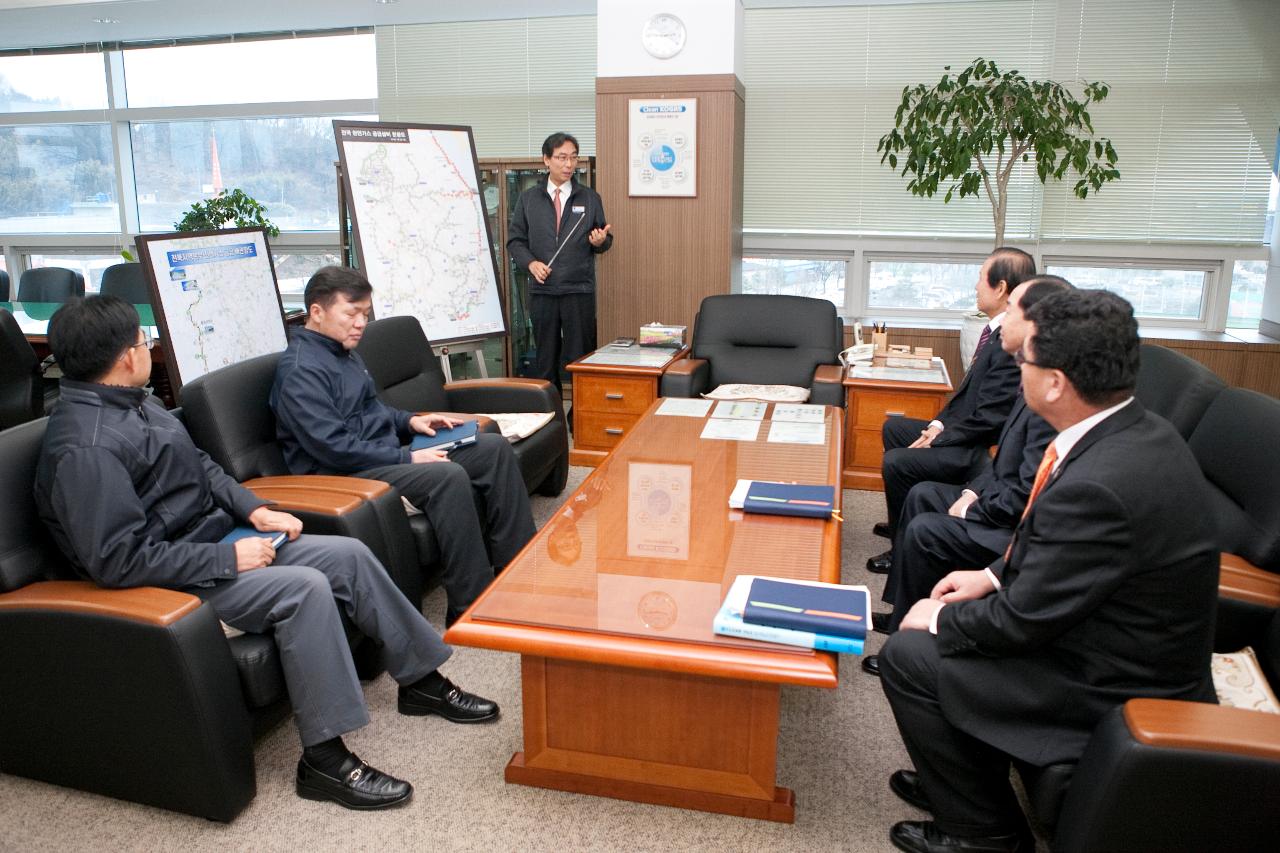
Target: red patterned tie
559, 209
1042, 477
982, 342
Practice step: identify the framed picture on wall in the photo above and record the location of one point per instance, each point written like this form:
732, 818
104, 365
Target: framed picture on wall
662, 147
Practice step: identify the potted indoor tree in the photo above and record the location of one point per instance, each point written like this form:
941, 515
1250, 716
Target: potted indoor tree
231, 207
967, 133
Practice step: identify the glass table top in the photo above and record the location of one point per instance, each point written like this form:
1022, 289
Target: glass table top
648, 546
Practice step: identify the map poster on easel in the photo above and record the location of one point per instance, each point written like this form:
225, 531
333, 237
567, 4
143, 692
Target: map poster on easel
215, 298
421, 234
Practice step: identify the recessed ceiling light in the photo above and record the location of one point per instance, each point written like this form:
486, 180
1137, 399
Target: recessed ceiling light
106, 20
384, 2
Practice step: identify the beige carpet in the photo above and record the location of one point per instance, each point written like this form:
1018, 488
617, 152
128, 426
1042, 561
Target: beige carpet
836, 750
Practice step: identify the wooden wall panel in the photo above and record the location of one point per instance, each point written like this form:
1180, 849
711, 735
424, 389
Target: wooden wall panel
669, 253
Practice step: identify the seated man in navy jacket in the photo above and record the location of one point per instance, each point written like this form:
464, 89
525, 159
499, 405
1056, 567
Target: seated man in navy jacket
330, 421
952, 447
132, 502
1106, 593
945, 526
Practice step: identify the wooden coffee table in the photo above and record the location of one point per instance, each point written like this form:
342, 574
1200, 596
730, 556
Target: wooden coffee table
627, 692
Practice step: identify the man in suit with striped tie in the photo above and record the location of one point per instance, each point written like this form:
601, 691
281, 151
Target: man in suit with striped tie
1106, 593
951, 448
946, 526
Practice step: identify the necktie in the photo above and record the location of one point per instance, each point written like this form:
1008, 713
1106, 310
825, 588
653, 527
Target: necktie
982, 341
1042, 477
559, 209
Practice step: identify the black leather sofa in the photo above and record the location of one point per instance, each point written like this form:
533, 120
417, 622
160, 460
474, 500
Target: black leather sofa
408, 376
766, 340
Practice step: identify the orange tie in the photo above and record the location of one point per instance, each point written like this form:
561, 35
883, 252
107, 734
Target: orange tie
1042, 477
559, 209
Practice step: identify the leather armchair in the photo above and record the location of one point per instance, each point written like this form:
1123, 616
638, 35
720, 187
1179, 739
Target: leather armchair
407, 376
229, 417
21, 386
774, 340
126, 281
49, 284
1176, 387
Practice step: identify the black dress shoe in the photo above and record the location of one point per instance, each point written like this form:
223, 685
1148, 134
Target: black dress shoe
906, 784
880, 563
357, 786
881, 528
454, 704
880, 622
923, 836
871, 664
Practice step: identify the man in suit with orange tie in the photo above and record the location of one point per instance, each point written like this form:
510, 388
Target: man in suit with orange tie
1106, 593
951, 448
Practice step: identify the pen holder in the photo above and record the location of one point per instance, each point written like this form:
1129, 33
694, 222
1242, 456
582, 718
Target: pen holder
880, 340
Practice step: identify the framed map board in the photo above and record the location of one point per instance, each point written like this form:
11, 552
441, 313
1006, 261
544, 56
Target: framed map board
215, 298
420, 230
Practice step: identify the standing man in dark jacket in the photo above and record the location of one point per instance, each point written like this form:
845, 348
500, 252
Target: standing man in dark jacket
557, 229
330, 421
132, 502
1107, 593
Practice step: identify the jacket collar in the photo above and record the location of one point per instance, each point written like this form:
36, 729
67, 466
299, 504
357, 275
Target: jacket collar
1121, 420
93, 393
325, 341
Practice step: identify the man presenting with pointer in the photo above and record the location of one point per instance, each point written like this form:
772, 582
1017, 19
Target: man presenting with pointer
557, 229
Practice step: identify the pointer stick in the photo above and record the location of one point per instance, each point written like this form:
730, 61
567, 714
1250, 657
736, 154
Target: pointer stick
566, 237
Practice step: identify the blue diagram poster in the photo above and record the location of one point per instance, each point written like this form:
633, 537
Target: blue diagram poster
663, 147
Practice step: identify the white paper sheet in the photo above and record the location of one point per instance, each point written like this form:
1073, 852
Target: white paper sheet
789, 432
732, 429
739, 409
799, 412
685, 408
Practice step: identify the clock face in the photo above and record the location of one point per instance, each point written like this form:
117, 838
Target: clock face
663, 36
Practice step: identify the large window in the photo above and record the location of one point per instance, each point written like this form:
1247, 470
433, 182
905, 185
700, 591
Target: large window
57, 178
319, 68
1156, 292
67, 81
820, 278
1248, 281
905, 284
284, 163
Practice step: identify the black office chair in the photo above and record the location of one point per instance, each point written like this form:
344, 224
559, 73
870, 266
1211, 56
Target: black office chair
4, 286
408, 376
764, 340
21, 387
126, 281
1175, 387
50, 284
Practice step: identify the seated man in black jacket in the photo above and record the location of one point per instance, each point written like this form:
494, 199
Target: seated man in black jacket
945, 526
952, 447
330, 421
132, 502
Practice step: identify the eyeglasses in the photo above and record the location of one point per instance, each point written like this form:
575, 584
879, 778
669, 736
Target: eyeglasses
147, 341
1020, 358
564, 158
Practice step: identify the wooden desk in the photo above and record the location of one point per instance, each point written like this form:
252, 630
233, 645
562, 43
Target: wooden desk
627, 692
608, 399
868, 403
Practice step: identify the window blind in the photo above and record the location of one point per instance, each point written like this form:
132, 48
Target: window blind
513, 81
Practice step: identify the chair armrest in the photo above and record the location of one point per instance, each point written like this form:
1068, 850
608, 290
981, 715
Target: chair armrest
146, 604
828, 373
1240, 580
1171, 724
687, 377
503, 395
827, 387
321, 495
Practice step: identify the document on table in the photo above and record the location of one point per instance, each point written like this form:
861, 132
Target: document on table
691, 408
731, 429
799, 412
745, 411
790, 432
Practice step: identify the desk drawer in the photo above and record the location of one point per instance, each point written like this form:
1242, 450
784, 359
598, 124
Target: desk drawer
601, 430
872, 408
612, 394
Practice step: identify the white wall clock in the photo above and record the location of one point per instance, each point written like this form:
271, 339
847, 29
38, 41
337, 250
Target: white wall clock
663, 35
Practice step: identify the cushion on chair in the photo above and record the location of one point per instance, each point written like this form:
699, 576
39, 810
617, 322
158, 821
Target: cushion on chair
762, 393
1239, 682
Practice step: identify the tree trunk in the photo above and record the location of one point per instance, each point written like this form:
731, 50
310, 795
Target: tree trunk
998, 212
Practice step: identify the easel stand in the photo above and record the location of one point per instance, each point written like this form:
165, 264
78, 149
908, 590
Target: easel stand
474, 347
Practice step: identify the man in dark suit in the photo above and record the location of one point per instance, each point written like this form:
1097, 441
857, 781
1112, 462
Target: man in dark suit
945, 526
1106, 593
951, 447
